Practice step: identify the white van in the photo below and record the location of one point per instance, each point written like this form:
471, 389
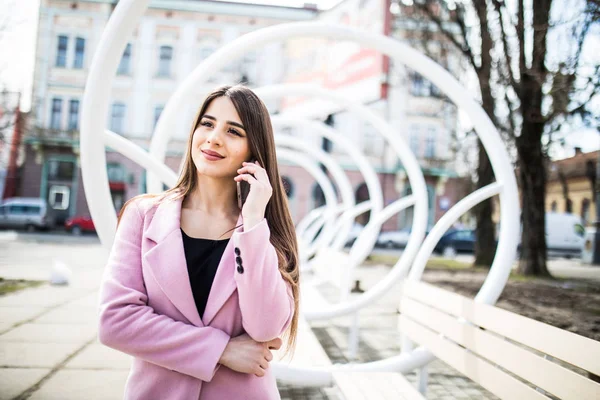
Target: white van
565, 234
30, 213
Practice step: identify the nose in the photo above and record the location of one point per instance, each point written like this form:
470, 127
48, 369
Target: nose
215, 135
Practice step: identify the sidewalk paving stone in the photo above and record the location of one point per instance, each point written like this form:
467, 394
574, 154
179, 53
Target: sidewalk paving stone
97, 356
14, 381
69, 315
35, 355
45, 296
50, 333
83, 384
15, 314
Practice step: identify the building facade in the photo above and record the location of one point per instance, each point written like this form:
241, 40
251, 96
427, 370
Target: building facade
172, 38
571, 185
175, 36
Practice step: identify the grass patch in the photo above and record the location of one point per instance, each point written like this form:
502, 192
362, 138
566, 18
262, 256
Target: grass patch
13, 285
433, 263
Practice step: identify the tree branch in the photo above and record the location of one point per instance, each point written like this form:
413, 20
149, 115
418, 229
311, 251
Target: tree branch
498, 5
464, 48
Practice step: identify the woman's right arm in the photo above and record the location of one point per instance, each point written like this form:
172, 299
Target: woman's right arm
129, 325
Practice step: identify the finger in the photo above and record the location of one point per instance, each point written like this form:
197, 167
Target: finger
264, 364
260, 173
275, 344
246, 177
259, 372
268, 356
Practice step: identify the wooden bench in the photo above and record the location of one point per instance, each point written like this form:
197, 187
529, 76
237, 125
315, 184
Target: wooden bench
330, 266
512, 356
352, 385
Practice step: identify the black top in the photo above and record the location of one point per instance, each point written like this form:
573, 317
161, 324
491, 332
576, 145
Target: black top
202, 257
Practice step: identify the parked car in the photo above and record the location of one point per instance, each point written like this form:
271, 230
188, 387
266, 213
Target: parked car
395, 239
565, 234
29, 213
456, 241
354, 232
80, 224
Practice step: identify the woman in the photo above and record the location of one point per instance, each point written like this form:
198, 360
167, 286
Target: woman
200, 310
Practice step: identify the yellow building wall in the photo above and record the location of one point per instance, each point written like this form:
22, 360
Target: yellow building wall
579, 189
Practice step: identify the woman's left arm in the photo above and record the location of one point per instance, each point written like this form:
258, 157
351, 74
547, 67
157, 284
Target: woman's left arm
265, 298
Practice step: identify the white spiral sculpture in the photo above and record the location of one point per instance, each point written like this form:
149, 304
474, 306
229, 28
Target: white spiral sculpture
94, 137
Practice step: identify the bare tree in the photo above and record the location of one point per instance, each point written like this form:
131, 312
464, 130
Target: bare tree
527, 101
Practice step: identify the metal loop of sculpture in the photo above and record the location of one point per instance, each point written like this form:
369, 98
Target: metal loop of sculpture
332, 216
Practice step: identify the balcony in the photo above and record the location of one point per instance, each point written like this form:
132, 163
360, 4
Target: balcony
56, 137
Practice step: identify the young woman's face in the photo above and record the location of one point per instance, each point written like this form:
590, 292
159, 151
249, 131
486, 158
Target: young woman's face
220, 131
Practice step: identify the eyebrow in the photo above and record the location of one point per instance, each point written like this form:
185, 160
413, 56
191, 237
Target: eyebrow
229, 122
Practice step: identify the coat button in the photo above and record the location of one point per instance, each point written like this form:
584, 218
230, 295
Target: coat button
240, 269
238, 260
237, 251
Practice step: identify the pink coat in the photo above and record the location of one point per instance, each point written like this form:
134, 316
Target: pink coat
147, 308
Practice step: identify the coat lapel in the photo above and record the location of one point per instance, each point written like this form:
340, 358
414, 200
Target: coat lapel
167, 258
169, 267
224, 283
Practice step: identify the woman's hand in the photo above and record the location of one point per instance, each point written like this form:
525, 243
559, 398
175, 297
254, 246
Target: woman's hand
260, 190
244, 354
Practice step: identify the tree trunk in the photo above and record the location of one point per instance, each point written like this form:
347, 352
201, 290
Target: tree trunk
532, 176
485, 241
532, 170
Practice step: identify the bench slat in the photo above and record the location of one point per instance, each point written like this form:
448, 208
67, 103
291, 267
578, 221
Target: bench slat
545, 374
481, 371
309, 351
375, 385
567, 346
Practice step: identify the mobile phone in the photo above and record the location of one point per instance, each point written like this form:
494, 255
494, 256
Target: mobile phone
243, 189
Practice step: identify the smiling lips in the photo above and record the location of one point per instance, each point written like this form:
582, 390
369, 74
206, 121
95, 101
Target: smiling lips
211, 155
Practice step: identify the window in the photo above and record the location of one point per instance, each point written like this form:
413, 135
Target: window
32, 210
430, 143
79, 53
115, 172
414, 140
117, 118
58, 197
16, 210
74, 114
553, 206
206, 51
61, 170
579, 230
125, 61
61, 53
164, 63
569, 206
418, 86
157, 111
56, 115
585, 210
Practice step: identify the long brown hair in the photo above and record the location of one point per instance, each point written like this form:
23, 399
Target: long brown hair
257, 122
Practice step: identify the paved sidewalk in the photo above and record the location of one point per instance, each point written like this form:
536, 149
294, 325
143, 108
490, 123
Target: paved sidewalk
49, 348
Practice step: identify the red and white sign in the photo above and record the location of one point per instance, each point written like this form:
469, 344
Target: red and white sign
343, 66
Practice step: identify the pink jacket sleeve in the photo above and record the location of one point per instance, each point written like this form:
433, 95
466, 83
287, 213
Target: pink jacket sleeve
129, 325
266, 300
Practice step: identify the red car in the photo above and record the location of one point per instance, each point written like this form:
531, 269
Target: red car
78, 225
